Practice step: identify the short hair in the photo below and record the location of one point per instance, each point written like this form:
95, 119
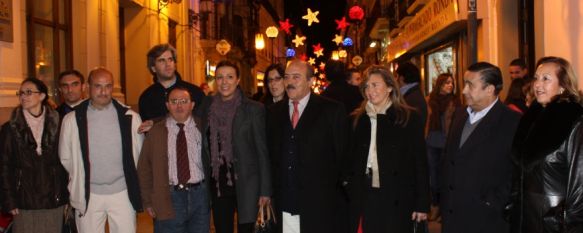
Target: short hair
350, 71
410, 72
176, 88
75, 73
489, 74
277, 67
157, 51
335, 70
309, 69
518, 62
228, 64
40, 85
96, 71
567, 78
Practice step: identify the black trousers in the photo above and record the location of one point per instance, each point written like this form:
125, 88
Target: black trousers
224, 209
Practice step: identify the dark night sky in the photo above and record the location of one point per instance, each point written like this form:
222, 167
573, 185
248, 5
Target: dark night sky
322, 32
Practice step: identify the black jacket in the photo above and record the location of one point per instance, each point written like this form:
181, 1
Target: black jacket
414, 97
548, 149
477, 176
345, 93
30, 181
402, 162
152, 103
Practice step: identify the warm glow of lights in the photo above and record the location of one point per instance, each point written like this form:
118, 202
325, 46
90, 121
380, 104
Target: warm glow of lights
271, 32
259, 42
335, 55
373, 44
342, 53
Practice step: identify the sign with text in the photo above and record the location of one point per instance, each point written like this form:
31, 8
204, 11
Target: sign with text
434, 17
6, 23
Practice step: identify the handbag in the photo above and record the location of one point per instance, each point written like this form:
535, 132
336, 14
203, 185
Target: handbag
420, 227
265, 220
69, 220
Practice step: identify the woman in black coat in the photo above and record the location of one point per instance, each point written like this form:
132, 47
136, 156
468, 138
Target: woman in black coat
33, 181
388, 181
548, 150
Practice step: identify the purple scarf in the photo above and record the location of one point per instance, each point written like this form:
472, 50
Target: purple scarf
221, 117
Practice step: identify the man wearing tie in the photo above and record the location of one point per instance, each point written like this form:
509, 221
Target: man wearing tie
172, 170
307, 137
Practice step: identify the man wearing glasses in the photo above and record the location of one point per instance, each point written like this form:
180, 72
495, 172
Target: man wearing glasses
172, 170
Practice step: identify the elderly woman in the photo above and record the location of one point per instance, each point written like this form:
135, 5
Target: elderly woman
388, 182
548, 151
275, 88
234, 138
33, 183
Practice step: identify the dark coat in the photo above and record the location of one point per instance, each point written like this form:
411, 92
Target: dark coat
153, 170
414, 97
548, 149
30, 181
250, 156
321, 143
477, 177
402, 162
345, 93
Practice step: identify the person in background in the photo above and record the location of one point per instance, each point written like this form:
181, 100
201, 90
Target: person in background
353, 77
339, 89
234, 140
388, 184
518, 69
275, 87
442, 103
172, 170
547, 152
206, 89
408, 77
33, 183
516, 98
71, 86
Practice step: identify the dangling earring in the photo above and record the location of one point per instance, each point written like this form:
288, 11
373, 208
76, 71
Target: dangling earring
561, 91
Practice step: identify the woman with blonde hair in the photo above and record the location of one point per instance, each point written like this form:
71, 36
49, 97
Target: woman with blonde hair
387, 176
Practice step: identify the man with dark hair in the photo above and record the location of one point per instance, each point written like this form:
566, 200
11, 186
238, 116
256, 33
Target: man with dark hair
172, 171
408, 76
307, 138
162, 65
339, 89
518, 69
99, 146
477, 168
71, 87
353, 77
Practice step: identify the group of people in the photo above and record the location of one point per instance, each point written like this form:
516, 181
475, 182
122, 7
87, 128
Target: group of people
372, 160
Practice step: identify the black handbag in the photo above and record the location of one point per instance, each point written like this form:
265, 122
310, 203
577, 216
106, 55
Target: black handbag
420, 227
69, 220
265, 220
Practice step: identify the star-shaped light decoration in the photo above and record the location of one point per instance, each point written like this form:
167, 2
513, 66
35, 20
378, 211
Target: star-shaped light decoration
303, 57
312, 61
322, 65
311, 17
299, 41
318, 50
338, 39
285, 26
342, 24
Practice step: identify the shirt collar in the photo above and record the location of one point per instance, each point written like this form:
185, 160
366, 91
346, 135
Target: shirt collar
302, 102
476, 116
407, 87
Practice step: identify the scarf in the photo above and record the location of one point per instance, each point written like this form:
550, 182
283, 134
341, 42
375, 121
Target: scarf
221, 116
372, 162
36, 125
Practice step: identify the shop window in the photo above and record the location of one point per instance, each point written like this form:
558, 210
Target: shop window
49, 40
439, 61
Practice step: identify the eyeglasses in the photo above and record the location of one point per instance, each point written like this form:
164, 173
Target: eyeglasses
179, 101
26, 93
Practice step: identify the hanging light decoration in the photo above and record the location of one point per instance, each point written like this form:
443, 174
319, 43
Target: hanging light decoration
271, 32
259, 42
335, 55
347, 42
290, 53
356, 13
342, 53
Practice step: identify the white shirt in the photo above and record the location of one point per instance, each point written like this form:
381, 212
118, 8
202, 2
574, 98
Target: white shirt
301, 105
193, 140
476, 116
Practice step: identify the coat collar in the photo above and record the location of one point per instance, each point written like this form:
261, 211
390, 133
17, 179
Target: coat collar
481, 132
23, 134
544, 129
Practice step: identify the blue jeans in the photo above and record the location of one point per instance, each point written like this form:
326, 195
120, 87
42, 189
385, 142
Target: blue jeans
434, 157
192, 210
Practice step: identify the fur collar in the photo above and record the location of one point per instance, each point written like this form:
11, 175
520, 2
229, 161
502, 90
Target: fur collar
544, 129
23, 134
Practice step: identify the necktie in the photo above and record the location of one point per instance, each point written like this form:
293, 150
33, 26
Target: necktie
295, 114
183, 171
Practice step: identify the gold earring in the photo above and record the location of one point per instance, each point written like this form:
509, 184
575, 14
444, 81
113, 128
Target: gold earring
561, 91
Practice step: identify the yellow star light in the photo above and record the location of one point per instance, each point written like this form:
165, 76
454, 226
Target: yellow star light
319, 53
312, 61
338, 39
311, 17
299, 41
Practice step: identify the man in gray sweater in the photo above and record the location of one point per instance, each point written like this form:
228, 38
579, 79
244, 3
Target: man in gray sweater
99, 146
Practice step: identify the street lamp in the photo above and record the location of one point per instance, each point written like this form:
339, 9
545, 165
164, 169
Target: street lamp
272, 33
259, 42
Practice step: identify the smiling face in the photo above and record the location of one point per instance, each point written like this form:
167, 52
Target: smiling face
276, 86
546, 83
447, 87
165, 66
297, 85
227, 81
376, 90
30, 98
179, 105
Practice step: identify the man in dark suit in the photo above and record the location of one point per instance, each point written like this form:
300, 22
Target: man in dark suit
477, 168
307, 137
408, 76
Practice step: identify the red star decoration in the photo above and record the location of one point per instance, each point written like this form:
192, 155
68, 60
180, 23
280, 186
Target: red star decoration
285, 26
342, 24
303, 57
317, 47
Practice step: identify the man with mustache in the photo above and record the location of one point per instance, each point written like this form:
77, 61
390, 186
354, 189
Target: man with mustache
307, 134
